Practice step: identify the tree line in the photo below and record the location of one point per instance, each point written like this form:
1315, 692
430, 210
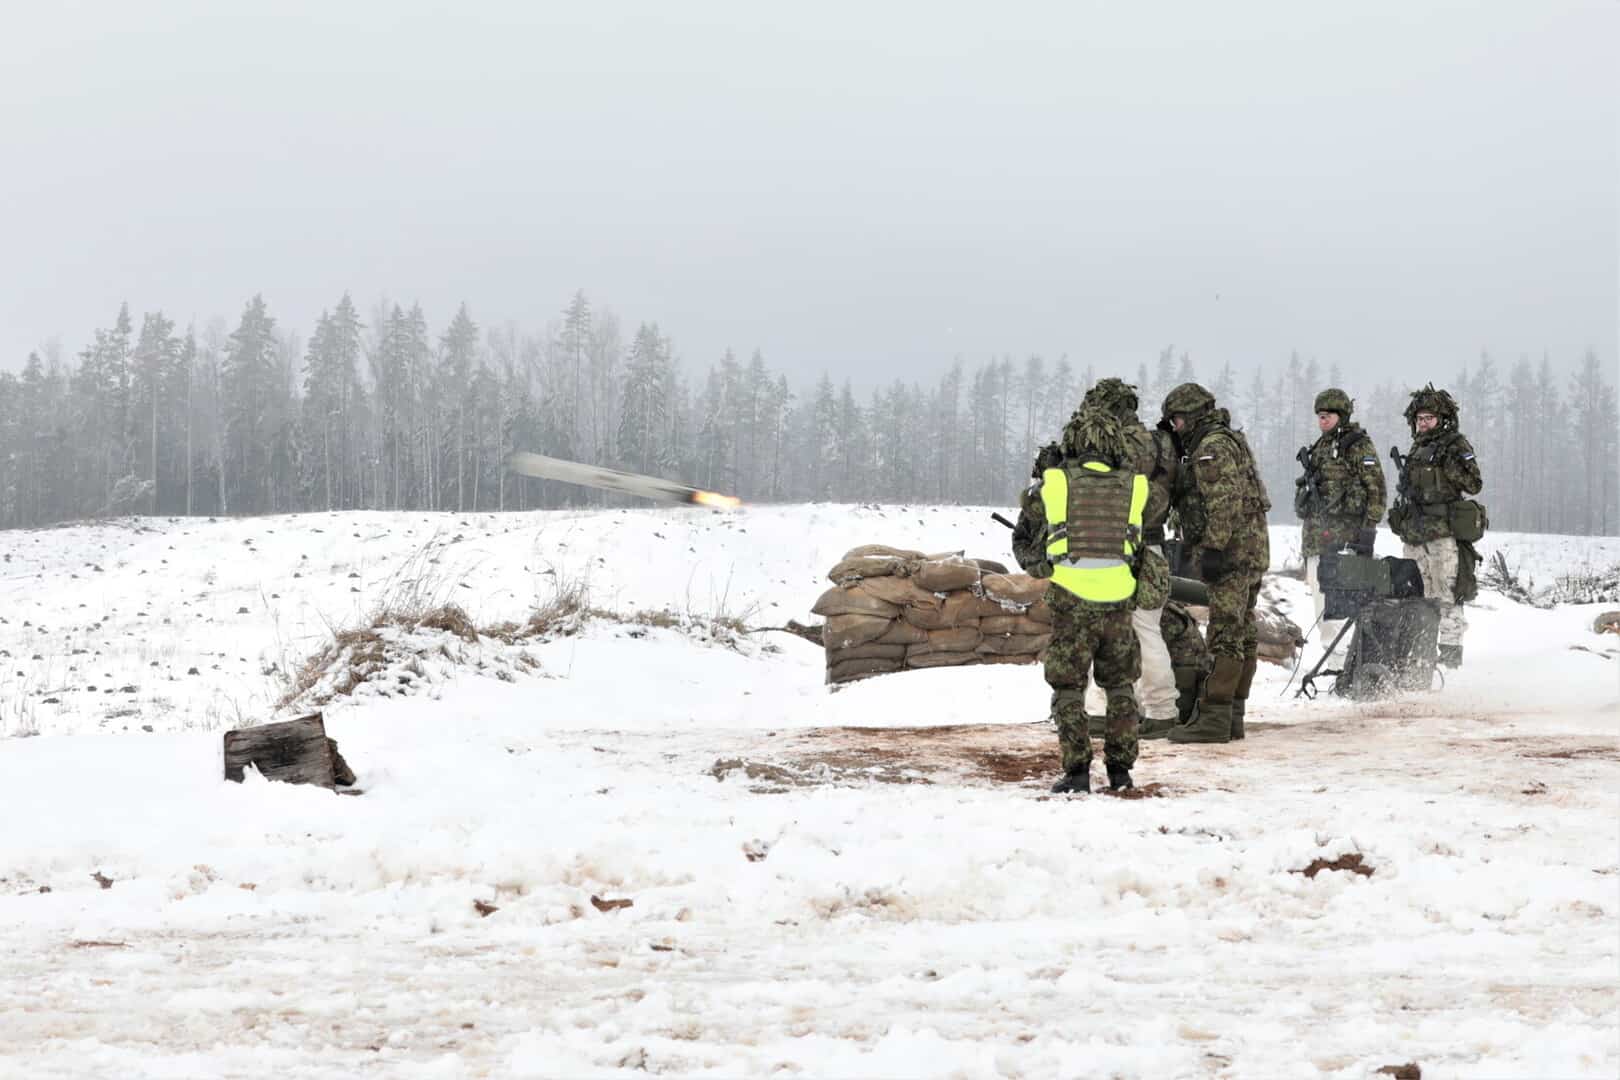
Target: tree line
377, 411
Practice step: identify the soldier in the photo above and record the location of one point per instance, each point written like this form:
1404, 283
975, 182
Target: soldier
1221, 504
1339, 499
1436, 524
1153, 456
1080, 524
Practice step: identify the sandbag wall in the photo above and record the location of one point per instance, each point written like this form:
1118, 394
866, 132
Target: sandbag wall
891, 610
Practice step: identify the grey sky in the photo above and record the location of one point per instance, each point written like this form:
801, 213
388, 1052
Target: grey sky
866, 188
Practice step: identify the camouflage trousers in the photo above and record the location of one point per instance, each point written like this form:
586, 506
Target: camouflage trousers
1437, 564
1232, 630
1086, 638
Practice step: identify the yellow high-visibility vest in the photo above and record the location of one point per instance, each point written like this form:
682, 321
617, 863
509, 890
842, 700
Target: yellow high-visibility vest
1091, 567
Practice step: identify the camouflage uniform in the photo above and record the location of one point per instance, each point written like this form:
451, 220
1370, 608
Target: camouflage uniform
1087, 638
1189, 656
1221, 504
1435, 477
1153, 456
1339, 499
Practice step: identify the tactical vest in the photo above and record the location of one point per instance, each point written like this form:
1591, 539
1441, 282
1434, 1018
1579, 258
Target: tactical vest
1093, 528
1190, 510
1337, 472
1425, 477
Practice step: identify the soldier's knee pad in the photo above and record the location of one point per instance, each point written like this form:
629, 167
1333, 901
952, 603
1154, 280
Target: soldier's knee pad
1069, 698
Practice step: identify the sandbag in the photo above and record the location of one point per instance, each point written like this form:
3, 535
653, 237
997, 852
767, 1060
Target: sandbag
957, 608
847, 631
860, 669
955, 639
870, 651
989, 566
1040, 613
1013, 624
1015, 588
882, 551
1006, 644
858, 568
934, 659
841, 600
901, 632
900, 591
945, 575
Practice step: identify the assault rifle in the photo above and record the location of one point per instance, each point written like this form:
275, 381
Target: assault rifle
1311, 482
1403, 490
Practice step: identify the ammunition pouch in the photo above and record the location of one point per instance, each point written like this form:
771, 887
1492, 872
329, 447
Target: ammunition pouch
1468, 520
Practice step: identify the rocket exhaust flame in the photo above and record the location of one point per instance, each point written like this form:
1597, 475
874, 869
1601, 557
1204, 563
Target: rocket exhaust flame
595, 476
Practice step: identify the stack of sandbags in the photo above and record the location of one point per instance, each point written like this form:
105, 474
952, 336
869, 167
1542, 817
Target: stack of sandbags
891, 609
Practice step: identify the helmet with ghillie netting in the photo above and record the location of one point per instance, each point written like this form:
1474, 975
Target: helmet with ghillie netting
1431, 400
1115, 395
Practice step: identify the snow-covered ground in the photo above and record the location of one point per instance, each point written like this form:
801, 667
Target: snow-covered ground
870, 882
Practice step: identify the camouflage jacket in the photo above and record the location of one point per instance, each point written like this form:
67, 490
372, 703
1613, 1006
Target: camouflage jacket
1342, 490
1220, 500
1440, 470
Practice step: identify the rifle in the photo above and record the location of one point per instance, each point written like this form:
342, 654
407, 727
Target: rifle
1308, 500
1403, 489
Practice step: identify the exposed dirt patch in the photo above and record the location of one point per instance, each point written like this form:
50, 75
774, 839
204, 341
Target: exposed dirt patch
1146, 791
1606, 752
999, 754
1352, 863
1409, 1071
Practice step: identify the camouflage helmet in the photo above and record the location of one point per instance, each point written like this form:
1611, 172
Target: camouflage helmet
1115, 395
1430, 400
1189, 399
1334, 400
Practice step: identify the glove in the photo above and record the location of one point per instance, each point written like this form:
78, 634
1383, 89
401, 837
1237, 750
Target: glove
1364, 542
1212, 565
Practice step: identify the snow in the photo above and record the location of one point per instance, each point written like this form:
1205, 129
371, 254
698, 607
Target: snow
869, 882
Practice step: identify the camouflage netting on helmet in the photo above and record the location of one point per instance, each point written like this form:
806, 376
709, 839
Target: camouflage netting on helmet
1115, 395
1431, 400
1095, 432
1334, 400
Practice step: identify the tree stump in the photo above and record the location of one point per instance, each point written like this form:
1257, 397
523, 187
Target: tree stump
294, 751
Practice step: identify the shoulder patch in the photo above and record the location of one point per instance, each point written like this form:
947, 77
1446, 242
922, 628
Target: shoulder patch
1369, 461
1207, 457
1468, 456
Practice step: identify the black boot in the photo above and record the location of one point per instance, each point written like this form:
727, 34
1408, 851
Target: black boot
1077, 782
1119, 778
1451, 656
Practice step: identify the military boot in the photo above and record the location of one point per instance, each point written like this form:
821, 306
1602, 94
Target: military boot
1077, 782
1451, 656
1119, 778
1212, 721
1187, 679
1154, 728
1240, 696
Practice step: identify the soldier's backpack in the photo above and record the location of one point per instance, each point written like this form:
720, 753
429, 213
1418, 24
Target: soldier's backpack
1394, 647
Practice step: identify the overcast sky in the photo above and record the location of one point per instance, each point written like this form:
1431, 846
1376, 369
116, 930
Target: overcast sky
866, 188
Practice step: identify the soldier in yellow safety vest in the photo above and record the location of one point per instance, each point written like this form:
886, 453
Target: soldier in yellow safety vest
1081, 526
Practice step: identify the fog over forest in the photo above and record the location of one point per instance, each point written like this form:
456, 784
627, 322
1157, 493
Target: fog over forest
294, 256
